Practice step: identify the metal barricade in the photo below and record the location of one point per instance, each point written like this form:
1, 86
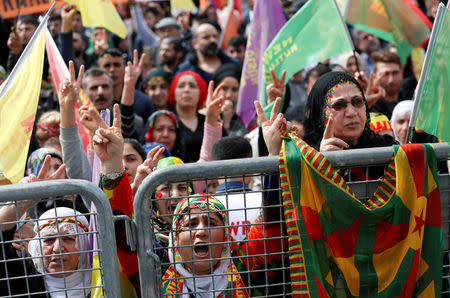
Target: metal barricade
57, 260
266, 270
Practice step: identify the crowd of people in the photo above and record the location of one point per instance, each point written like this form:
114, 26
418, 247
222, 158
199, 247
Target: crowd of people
172, 93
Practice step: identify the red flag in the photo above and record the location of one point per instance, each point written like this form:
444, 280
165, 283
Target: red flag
60, 72
229, 26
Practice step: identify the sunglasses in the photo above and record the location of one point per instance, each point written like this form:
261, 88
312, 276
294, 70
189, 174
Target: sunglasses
341, 105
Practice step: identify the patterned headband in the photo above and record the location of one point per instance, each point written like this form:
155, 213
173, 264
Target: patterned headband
62, 220
203, 202
341, 83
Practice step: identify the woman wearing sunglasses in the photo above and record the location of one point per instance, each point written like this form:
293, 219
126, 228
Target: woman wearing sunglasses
337, 115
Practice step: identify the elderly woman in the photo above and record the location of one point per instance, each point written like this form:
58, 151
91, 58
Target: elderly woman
337, 118
201, 249
58, 251
400, 120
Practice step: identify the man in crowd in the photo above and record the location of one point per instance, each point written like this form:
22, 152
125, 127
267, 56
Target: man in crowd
19, 38
113, 63
366, 44
170, 54
236, 48
54, 26
206, 57
387, 64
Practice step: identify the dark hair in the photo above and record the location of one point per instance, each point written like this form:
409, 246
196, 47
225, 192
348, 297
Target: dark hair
150, 9
29, 20
231, 147
319, 70
136, 146
95, 72
385, 57
238, 41
114, 52
55, 17
227, 70
177, 46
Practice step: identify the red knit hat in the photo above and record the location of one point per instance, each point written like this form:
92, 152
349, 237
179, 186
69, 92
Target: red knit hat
200, 83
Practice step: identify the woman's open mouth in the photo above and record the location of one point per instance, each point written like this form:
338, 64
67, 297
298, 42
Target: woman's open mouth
201, 250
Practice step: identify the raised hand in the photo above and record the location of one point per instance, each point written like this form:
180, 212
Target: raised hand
137, 66
68, 95
69, 88
14, 42
67, 14
148, 166
275, 89
90, 118
374, 90
214, 103
362, 79
271, 128
329, 141
100, 39
108, 144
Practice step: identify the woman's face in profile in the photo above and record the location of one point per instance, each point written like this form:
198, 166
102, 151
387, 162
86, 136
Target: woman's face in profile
349, 112
196, 233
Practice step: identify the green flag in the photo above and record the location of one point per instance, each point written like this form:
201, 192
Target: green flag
398, 22
315, 33
433, 92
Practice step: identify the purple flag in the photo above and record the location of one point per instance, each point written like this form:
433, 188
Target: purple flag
268, 19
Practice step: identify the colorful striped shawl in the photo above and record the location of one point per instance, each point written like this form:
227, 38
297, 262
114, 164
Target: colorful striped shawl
389, 246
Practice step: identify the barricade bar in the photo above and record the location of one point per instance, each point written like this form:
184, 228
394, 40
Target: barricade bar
15, 194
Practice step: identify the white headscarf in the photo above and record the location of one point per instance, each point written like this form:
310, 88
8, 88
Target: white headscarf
73, 284
402, 108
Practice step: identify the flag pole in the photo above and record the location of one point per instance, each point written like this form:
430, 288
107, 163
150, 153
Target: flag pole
425, 70
28, 48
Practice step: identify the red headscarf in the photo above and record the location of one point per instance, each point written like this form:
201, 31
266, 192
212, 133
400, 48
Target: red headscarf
200, 83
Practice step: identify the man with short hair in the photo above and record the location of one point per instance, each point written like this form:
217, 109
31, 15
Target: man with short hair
244, 207
19, 38
170, 54
112, 61
387, 64
54, 26
99, 88
367, 44
236, 47
207, 56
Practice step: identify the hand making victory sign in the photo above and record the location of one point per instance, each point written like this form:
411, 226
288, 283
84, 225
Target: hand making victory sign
275, 89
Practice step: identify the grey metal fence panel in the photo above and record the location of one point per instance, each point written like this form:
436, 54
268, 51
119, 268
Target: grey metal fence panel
105, 224
149, 264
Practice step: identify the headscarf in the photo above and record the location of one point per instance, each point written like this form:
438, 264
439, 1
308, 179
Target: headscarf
73, 222
219, 279
200, 83
343, 59
402, 108
157, 73
379, 122
37, 158
314, 117
151, 121
227, 70
149, 146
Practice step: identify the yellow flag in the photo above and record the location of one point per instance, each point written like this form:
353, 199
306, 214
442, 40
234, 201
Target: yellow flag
182, 5
100, 13
19, 96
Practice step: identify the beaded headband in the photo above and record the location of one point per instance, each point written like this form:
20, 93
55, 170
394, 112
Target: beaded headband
341, 83
61, 220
